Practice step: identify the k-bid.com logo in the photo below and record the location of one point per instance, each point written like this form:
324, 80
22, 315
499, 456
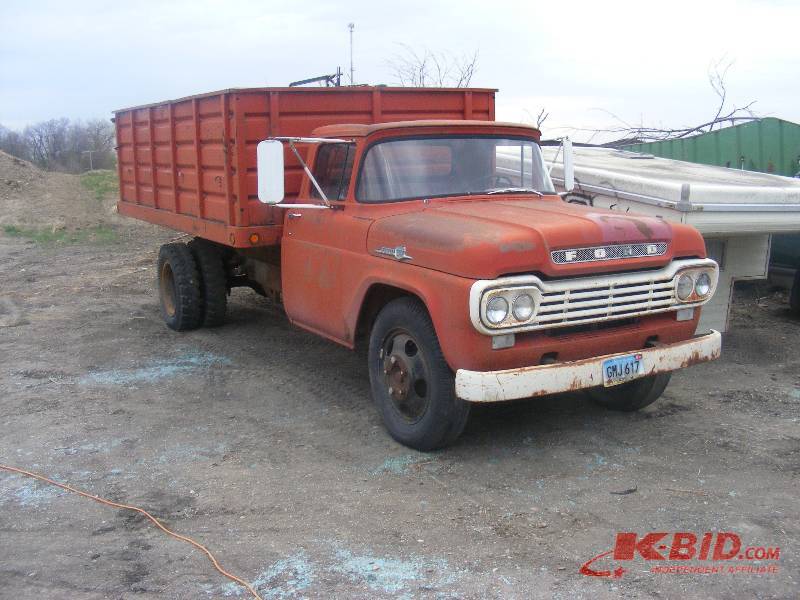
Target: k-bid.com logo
687, 553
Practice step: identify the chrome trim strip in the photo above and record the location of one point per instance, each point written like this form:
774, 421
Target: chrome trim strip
570, 256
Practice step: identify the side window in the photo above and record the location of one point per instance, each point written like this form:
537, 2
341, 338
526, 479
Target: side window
332, 169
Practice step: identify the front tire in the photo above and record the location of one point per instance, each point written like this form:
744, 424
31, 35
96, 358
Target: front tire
412, 385
179, 288
631, 396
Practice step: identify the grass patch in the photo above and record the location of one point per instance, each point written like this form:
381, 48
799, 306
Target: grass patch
100, 234
101, 183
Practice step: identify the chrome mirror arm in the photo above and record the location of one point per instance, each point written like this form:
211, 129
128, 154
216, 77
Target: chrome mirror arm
322, 195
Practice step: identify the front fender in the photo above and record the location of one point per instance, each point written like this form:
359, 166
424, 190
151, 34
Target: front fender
445, 296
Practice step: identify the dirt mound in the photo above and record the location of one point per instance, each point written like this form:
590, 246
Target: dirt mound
35, 199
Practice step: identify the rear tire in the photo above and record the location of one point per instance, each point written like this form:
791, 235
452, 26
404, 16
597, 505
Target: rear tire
794, 296
213, 281
631, 396
179, 288
412, 385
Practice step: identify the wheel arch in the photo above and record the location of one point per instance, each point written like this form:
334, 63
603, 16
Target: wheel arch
444, 296
376, 296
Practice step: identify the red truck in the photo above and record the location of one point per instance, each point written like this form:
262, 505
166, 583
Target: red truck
410, 223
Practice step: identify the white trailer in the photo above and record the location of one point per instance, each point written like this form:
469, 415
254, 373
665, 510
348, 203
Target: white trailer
736, 211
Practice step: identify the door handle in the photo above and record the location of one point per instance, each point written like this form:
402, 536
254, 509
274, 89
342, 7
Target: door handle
294, 215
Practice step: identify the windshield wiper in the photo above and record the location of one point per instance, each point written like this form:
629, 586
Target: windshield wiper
514, 190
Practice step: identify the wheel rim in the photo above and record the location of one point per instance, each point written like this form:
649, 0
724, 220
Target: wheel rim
166, 282
405, 375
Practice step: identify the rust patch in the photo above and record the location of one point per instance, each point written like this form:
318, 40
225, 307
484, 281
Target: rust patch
520, 246
643, 228
640, 225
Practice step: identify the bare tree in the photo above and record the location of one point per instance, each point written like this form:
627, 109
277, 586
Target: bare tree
13, 143
724, 114
61, 144
48, 142
100, 139
540, 118
426, 68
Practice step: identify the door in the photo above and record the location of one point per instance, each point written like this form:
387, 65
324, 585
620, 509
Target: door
320, 247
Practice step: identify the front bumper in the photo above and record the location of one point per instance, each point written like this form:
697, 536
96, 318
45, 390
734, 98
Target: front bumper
529, 382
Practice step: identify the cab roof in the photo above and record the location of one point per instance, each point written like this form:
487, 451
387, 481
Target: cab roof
350, 130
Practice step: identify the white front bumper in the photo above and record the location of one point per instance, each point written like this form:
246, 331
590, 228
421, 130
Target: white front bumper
528, 382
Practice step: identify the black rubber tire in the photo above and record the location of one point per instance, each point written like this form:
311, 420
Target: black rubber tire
213, 281
179, 288
445, 415
794, 296
631, 396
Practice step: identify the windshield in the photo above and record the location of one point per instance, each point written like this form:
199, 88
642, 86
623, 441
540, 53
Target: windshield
451, 166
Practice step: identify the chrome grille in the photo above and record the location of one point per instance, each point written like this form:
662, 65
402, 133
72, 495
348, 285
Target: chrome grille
583, 300
611, 252
572, 303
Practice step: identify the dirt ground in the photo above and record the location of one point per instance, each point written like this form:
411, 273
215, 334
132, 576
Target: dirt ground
260, 441
47, 201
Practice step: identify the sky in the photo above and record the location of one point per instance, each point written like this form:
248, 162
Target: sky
589, 64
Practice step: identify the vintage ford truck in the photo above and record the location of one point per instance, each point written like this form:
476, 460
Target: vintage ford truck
437, 244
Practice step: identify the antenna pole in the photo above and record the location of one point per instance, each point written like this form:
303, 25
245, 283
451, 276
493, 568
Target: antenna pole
351, 26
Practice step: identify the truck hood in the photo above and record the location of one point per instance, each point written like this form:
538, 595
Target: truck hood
484, 239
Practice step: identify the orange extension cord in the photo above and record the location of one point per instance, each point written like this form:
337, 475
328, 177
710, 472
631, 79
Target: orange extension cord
155, 521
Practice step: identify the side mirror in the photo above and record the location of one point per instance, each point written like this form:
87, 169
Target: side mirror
269, 159
569, 166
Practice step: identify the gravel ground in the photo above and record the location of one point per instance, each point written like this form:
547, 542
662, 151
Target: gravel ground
260, 441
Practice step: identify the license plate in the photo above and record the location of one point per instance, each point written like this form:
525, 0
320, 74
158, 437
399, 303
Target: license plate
623, 368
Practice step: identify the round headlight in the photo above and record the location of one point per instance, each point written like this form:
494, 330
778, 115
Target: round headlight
522, 307
703, 285
685, 286
497, 310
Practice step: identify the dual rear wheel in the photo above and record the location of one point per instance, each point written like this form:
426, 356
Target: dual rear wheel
794, 296
192, 285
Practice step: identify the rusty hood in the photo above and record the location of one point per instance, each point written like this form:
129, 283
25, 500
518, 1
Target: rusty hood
484, 239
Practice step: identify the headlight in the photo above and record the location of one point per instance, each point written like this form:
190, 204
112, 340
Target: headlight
702, 286
523, 307
685, 287
695, 285
497, 310
510, 307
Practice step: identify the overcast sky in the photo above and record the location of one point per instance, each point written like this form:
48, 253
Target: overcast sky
642, 61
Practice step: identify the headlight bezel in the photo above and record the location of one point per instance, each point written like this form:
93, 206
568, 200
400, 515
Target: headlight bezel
510, 295
694, 274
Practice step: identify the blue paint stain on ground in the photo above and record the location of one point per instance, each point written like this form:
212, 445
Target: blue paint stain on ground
26, 492
155, 371
184, 452
91, 447
393, 575
292, 577
399, 465
286, 578
596, 461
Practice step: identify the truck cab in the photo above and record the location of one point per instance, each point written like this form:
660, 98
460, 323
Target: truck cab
442, 248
